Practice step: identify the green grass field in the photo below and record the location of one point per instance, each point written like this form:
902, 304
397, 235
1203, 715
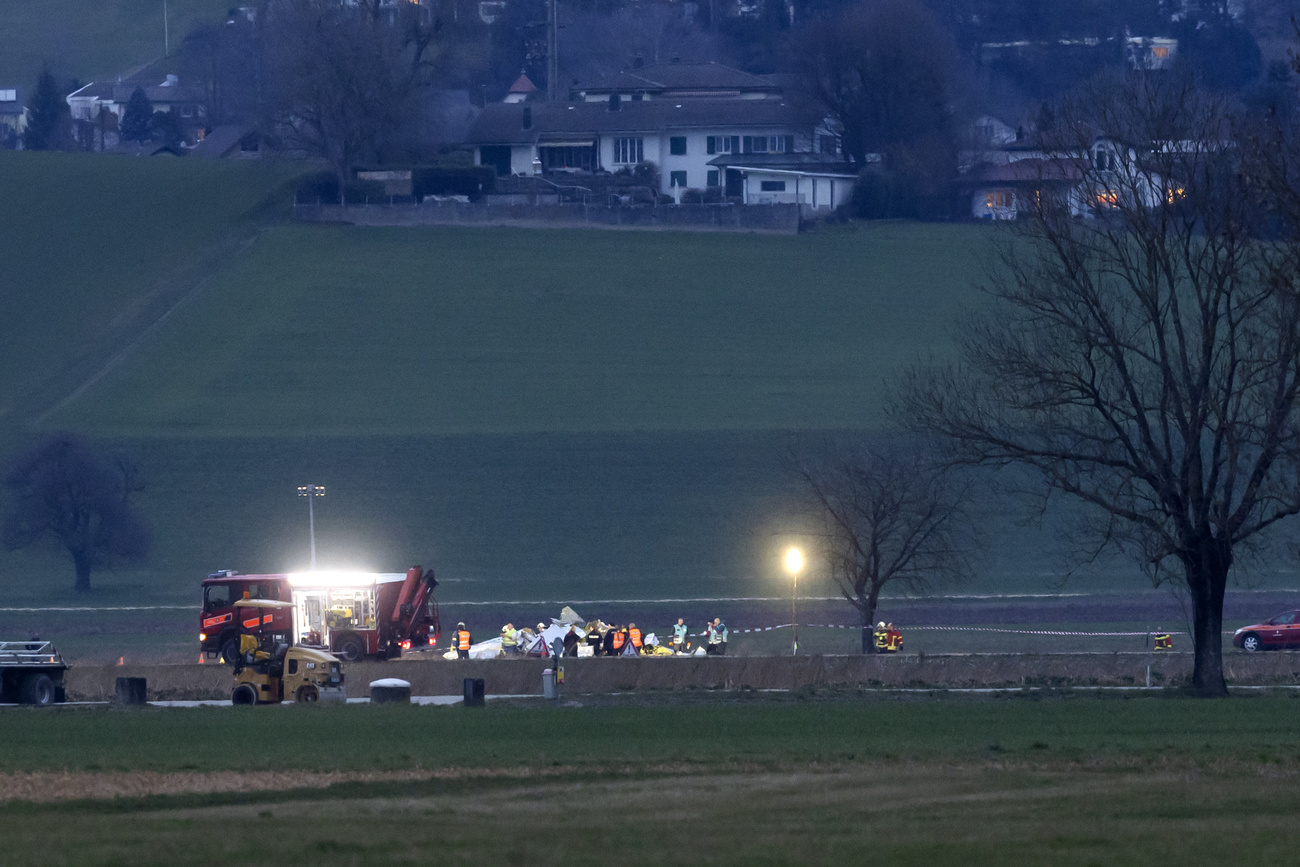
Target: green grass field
745, 780
91, 40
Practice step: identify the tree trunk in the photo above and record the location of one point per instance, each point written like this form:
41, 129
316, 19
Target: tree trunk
1207, 578
867, 611
82, 565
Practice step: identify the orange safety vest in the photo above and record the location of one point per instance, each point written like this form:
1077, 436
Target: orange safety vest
462, 636
635, 635
619, 638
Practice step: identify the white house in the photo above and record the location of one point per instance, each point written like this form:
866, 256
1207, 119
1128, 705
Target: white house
816, 182
1107, 174
168, 94
13, 115
677, 117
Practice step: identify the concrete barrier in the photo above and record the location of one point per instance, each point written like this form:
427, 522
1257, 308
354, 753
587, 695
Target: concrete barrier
524, 676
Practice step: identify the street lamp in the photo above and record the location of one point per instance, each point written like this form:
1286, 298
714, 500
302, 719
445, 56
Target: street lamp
794, 565
311, 492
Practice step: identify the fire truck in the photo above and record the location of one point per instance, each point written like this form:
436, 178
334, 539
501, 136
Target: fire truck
355, 615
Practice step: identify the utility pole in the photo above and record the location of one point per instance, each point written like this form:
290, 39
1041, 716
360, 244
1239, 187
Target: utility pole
311, 492
552, 51
167, 50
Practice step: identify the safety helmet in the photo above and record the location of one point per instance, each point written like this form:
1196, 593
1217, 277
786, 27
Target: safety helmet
460, 625
880, 625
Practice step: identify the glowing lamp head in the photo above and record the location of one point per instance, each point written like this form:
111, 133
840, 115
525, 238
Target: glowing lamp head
794, 561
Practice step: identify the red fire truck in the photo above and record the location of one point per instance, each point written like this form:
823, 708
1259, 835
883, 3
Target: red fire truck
353, 614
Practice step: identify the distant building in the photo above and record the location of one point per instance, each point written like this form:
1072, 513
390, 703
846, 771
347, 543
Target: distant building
679, 119
165, 91
13, 115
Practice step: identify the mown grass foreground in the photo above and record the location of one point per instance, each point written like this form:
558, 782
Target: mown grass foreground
752, 780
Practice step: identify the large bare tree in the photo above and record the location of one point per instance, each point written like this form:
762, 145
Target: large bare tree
1142, 352
343, 75
884, 517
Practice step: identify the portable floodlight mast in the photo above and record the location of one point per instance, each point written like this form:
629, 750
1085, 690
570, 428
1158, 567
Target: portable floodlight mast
794, 565
311, 492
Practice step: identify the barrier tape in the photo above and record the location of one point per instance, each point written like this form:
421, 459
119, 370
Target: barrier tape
960, 629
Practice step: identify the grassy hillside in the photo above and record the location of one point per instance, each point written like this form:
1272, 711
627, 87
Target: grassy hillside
448, 331
89, 240
91, 39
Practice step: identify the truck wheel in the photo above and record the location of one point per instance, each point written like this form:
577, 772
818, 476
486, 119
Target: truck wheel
38, 689
244, 694
230, 649
351, 648
307, 694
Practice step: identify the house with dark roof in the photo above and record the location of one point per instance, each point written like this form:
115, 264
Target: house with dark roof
165, 91
679, 118
1089, 181
13, 115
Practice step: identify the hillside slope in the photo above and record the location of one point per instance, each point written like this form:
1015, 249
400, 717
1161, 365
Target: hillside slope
91, 39
90, 240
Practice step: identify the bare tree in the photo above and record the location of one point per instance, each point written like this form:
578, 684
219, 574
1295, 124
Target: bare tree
65, 490
1142, 353
344, 74
887, 517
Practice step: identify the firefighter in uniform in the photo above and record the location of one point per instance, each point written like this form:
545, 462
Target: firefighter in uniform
463, 641
880, 637
894, 642
634, 636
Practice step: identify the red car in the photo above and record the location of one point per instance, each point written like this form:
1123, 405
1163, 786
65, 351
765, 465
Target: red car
1281, 631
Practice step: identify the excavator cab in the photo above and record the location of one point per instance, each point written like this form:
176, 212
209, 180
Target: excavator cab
270, 671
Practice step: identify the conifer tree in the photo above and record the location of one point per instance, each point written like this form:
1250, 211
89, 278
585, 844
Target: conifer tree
47, 115
137, 120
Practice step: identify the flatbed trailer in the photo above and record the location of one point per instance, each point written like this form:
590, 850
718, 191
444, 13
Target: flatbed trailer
31, 672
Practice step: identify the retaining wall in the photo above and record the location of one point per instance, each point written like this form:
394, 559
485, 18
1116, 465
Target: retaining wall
778, 219
524, 676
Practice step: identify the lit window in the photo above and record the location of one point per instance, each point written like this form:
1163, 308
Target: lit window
1107, 199
1160, 52
998, 199
1173, 194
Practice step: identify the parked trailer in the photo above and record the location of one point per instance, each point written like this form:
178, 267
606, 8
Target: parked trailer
352, 614
31, 672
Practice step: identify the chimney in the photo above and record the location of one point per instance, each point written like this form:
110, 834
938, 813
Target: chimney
615, 102
528, 117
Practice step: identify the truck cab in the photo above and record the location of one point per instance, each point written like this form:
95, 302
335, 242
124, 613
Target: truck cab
219, 622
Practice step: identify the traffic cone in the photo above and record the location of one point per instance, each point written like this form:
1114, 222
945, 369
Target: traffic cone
121, 660
202, 660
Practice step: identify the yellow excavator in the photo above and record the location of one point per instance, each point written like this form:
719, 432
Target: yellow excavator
270, 670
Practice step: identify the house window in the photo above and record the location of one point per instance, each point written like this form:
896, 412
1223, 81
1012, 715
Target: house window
8, 95
1160, 52
827, 144
1107, 199
628, 150
999, 199
768, 144
772, 186
677, 145
712, 178
677, 179
719, 144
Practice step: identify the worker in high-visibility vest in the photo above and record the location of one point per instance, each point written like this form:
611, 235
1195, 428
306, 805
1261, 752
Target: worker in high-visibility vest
880, 637
634, 635
620, 638
679, 636
463, 641
509, 639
